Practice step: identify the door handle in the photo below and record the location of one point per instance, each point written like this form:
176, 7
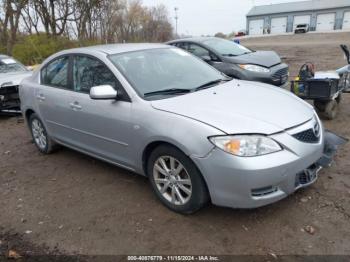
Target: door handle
40, 97
75, 106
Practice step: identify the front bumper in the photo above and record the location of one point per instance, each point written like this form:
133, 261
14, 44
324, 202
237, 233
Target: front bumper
278, 75
9, 98
257, 181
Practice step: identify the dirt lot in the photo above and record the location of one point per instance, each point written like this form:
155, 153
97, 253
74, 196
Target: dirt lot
73, 203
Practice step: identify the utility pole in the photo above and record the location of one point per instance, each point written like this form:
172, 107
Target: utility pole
176, 18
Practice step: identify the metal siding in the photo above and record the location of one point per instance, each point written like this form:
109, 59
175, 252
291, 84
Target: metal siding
338, 20
298, 7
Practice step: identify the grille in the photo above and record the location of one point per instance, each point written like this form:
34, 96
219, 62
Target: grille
307, 136
280, 74
306, 177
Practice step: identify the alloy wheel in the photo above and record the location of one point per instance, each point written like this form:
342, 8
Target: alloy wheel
39, 134
172, 180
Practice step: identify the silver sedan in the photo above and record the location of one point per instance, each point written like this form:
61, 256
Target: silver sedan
163, 113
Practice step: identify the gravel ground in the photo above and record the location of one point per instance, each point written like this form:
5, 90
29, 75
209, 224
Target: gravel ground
70, 202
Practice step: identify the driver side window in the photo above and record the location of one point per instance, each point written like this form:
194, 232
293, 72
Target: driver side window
89, 72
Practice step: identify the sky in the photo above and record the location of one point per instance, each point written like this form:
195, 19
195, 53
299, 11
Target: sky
207, 17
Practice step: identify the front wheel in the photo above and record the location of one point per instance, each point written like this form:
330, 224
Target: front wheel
176, 180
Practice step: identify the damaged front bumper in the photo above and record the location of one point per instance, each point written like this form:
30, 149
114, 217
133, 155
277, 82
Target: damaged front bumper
331, 144
253, 182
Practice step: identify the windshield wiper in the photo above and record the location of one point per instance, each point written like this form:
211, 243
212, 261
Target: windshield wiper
210, 84
229, 55
171, 91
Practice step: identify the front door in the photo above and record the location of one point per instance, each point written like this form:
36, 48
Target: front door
101, 127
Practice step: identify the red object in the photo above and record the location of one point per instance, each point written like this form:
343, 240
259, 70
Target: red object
240, 34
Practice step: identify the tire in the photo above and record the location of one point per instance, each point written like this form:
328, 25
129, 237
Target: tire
41, 138
331, 110
174, 179
320, 105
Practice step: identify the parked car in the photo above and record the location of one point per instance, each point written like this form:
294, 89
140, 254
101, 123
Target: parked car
160, 112
301, 28
12, 73
236, 60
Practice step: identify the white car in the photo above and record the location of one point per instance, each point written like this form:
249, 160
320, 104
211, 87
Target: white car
12, 73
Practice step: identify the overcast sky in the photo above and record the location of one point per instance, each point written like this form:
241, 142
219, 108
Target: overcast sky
202, 17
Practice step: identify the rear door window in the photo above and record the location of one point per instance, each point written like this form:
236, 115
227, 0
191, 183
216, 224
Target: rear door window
55, 74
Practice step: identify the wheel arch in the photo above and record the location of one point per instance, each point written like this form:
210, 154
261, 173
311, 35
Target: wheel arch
153, 145
28, 113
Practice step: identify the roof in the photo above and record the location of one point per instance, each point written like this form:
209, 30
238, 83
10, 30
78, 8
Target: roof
192, 39
117, 48
297, 7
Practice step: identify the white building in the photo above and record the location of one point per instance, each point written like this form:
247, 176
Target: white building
321, 15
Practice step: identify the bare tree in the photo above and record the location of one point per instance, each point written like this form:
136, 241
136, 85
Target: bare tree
54, 14
10, 22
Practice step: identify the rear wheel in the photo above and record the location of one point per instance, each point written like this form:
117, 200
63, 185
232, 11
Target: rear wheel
176, 180
40, 136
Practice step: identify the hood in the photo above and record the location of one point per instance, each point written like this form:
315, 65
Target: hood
238, 107
262, 58
9, 79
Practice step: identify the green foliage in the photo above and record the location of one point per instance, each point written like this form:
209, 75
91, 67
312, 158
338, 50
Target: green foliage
33, 49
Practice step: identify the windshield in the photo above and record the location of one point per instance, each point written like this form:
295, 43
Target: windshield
303, 25
226, 47
154, 70
9, 65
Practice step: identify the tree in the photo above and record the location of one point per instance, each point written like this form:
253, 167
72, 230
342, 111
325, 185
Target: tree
221, 35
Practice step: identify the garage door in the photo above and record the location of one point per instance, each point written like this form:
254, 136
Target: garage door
279, 25
256, 27
301, 19
346, 21
325, 22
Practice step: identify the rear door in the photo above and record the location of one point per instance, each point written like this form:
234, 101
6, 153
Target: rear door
53, 96
101, 127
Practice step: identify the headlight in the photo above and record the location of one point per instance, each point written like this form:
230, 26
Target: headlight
246, 145
255, 68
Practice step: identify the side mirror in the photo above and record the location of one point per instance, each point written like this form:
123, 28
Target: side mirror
206, 58
103, 92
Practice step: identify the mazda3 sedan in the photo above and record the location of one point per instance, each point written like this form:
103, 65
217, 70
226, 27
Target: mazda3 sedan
236, 60
160, 112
